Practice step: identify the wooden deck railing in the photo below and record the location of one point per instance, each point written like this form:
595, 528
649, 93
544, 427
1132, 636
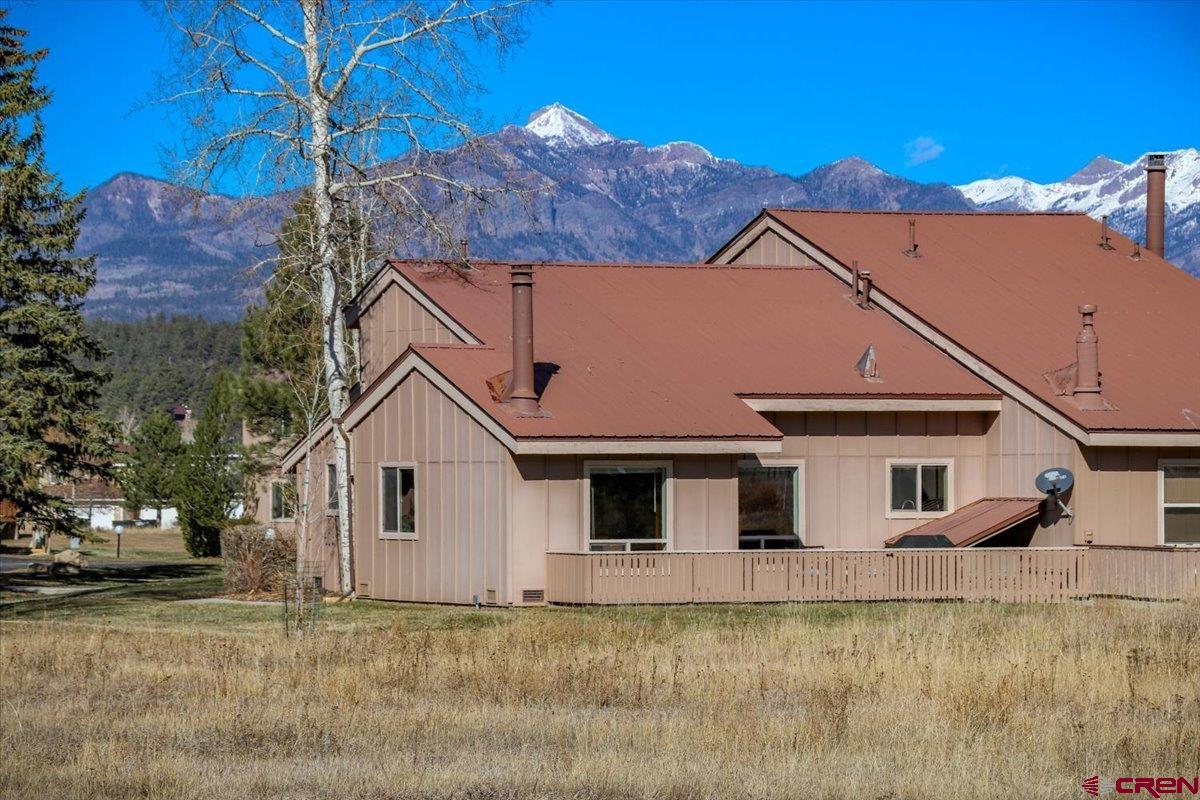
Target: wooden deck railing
1041, 574
1145, 573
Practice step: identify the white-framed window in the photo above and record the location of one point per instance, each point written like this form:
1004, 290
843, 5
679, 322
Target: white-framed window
1179, 502
919, 487
770, 503
331, 488
283, 500
398, 500
628, 505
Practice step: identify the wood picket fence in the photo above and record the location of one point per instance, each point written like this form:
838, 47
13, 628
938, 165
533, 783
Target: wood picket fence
1010, 575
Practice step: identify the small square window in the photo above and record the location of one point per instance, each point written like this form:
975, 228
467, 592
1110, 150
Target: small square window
916, 489
398, 492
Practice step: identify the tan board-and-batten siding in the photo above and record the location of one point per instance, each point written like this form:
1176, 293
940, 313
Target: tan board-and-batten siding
389, 323
770, 249
1117, 493
846, 455
462, 508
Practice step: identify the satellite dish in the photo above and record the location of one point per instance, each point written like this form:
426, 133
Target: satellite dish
1056, 480
1054, 483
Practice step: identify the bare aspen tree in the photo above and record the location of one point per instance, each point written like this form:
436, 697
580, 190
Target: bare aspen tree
315, 93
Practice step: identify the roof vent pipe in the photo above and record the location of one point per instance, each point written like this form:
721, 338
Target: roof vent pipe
464, 250
911, 252
864, 299
523, 396
1156, 203
1105, 239
1087, 361
854, 280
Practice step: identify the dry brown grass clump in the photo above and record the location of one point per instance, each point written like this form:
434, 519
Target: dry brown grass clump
852, 701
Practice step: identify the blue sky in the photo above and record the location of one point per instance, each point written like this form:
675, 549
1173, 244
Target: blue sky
934, 92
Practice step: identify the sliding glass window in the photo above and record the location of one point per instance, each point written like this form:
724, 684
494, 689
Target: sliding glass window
627, 507
769, 505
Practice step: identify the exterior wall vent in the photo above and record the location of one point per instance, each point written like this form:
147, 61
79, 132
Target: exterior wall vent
533, 596
490, 594
364, 588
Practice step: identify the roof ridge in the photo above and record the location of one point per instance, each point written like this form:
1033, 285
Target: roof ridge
691, 265
899, 213
450, 346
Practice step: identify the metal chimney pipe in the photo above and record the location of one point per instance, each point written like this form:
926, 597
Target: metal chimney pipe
1087, 363
854, 280
864, 299
464, 250
1156, 203
523, 395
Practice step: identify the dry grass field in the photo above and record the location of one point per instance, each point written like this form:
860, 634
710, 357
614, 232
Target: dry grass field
142, 696
139, 543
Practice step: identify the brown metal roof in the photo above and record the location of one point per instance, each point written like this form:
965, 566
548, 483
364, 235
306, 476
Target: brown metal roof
1007, 287
665, 351
976, 521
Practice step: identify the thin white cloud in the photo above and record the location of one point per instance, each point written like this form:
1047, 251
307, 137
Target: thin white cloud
922, 149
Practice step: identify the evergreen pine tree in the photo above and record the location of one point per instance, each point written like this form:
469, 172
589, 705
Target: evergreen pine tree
49, 423
149, 474
281, 340
209, 479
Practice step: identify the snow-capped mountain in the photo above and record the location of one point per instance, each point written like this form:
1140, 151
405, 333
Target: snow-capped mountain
559, 126
592, 197
1111, 187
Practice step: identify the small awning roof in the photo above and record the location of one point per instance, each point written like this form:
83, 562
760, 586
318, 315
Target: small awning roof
970, 524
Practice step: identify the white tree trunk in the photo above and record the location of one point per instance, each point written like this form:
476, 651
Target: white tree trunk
333, 338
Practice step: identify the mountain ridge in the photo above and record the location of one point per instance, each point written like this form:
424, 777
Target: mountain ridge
162, 247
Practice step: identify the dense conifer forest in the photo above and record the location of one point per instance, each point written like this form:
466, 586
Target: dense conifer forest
159, 362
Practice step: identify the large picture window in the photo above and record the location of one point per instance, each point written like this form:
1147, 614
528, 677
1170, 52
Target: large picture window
919, 488
1180, 481
283, 500
398, 493
628, 506
770, 507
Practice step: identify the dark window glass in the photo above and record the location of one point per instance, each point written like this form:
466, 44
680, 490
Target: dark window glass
904, 488
399, 500
1181, 525
391, 488
767, 507
627, 503
933, 487
408, 501
282, 505
331, 486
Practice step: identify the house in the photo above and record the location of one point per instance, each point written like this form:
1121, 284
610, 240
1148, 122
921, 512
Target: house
282, 502
836, 380
186, 422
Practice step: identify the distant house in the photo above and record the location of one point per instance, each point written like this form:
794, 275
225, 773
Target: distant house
838, 380
99, 504
182, 415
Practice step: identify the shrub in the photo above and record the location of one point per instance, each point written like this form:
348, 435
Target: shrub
253, 562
